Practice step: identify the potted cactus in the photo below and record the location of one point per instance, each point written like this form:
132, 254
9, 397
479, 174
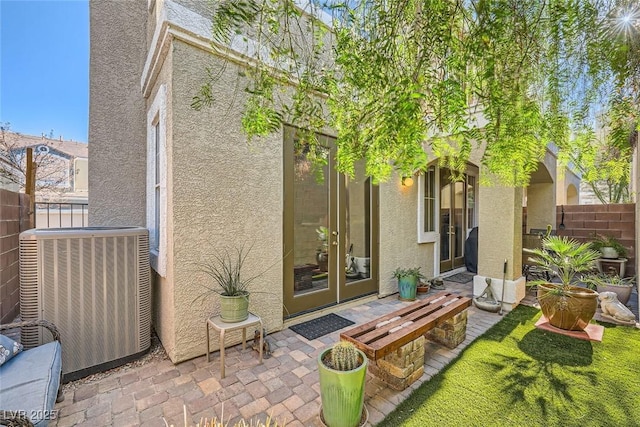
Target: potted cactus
342, 369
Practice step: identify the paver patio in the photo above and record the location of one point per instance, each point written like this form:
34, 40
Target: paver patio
285, 386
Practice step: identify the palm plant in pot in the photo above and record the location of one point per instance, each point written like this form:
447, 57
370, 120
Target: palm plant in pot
342, 370
603, 282
226, 271
564, 305
408, 279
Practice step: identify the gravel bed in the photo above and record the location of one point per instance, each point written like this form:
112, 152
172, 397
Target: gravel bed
156, 353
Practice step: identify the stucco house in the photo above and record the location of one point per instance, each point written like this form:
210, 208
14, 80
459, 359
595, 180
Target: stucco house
61, 175
191, 178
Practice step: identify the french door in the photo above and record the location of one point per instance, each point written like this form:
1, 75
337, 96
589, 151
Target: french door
330, 230
453, 197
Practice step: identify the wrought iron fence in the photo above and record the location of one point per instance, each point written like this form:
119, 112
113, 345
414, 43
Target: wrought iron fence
59, 215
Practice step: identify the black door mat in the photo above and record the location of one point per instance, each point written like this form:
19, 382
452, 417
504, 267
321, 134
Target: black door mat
324, 325
460, 278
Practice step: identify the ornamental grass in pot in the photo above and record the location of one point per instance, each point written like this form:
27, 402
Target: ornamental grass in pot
564, 305
225, 269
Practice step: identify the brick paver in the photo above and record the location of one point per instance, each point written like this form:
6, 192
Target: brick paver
285, 386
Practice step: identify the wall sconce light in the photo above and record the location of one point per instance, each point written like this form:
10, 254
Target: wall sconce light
407, 181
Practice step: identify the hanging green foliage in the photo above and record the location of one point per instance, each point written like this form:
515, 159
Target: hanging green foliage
405, 81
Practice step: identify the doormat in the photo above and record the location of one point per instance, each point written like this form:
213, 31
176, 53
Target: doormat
459, 278
593, 331
324, 325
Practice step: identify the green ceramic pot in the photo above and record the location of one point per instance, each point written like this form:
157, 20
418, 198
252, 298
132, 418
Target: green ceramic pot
234, 309
407, 286
342, 393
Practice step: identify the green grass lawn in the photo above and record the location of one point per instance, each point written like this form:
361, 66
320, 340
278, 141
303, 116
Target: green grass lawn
517, 375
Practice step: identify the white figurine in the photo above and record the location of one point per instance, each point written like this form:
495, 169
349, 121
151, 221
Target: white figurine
614, 309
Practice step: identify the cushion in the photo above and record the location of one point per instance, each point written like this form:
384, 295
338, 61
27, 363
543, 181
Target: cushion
8, 349
29, 382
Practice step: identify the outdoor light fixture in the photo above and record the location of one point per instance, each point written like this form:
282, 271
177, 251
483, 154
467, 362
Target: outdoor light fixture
407, 181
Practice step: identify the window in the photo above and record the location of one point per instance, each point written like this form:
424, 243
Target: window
156, 181
427, 203
156, 187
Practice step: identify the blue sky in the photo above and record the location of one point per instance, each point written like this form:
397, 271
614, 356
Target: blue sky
44, 67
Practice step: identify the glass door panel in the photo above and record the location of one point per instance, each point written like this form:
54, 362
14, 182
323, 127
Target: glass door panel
445, 221
310, 228
458, 223
358, 196
308, 257
452, 221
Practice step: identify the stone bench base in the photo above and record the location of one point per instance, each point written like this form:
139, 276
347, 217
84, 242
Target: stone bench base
405, 365
452, 332
402, 367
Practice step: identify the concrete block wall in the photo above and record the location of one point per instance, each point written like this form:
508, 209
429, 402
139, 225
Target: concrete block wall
582, 222
13, 219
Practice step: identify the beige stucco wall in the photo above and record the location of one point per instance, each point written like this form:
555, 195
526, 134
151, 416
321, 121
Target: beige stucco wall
500, 231
399, 234
164, 312
117, 137
541, 194
226, 193
564, 196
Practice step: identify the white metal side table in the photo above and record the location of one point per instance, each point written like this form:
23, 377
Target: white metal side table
222, 327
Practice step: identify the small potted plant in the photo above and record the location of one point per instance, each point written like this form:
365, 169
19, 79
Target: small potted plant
225, 270
609, 247
602, 282
342, 370
322, 253
564, 305
407, 282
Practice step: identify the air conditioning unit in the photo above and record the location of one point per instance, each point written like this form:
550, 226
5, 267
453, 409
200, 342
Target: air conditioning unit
94, 284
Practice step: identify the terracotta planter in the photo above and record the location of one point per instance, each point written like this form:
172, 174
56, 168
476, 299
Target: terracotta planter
623, 292
423, 288
571, 311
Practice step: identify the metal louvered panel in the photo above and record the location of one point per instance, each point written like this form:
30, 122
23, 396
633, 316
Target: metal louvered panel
93, 285
29, 291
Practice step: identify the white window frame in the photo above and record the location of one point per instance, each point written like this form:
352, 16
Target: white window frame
157, 116
428, 236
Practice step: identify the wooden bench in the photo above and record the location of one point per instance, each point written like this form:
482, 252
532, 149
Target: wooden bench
395, 342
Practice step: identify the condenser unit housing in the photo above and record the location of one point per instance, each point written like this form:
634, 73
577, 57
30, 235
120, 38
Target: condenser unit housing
94, 284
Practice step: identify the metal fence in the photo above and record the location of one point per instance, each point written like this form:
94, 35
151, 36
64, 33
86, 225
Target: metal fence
59, 215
